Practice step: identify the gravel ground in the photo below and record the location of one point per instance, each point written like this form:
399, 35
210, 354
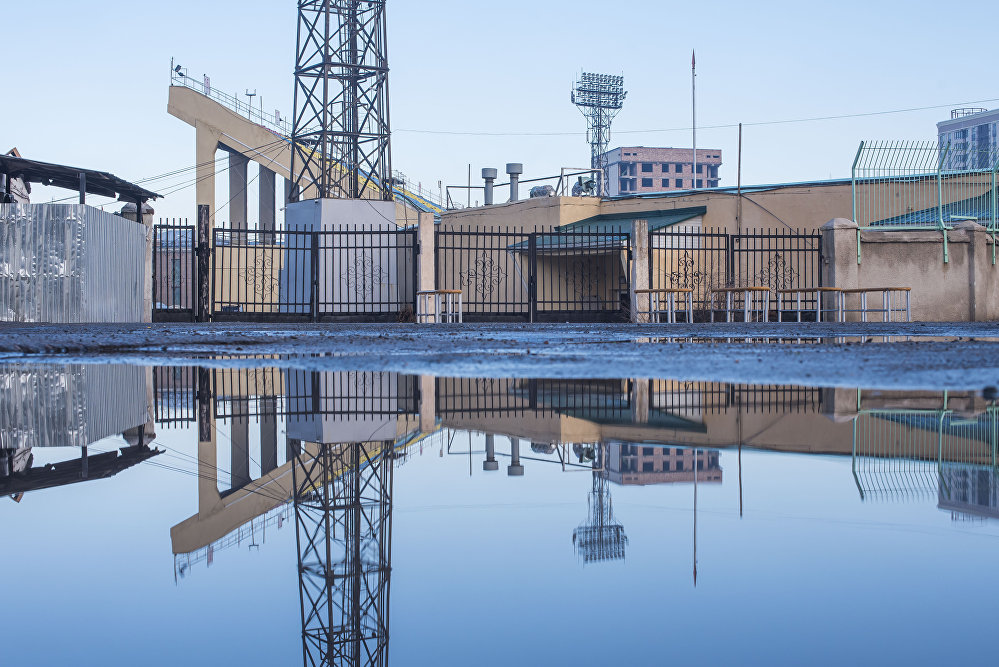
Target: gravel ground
918, 355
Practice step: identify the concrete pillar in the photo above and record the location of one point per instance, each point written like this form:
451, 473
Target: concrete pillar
515, 469
426, 275
640, 401
639, 269
267, 199
237, 189
268, 435
209, 499
490, 464
839, 262
206, 144
239, 438
428, 403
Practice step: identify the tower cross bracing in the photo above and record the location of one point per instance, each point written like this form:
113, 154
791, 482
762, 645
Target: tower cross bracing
341, 130
600, 97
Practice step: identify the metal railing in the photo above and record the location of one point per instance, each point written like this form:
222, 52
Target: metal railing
561, 185
273, 121
924, 185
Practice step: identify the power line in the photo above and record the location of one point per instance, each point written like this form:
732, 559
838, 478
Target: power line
785, 121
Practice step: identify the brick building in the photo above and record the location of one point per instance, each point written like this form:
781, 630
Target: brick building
638, 170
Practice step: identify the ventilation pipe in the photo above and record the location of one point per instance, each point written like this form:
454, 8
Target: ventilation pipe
489, 176
514, 170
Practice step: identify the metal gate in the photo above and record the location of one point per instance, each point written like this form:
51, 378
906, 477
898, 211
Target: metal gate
536, 276
349, 274
704, 260
174, 272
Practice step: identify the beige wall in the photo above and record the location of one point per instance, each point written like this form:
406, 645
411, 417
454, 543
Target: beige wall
962, 289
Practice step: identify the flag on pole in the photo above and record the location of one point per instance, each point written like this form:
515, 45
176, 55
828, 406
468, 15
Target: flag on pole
693, 60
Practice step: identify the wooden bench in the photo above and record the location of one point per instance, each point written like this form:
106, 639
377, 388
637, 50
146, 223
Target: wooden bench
886, 309
443, 301
796, 294
658, 298
748, 301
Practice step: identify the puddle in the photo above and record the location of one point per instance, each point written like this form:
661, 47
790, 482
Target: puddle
274, 514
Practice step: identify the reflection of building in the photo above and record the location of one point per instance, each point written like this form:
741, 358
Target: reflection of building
969, 490
70, 406
643, 464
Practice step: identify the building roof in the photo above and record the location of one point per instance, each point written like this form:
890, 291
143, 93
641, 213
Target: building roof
978, 209
608, 231
62, 176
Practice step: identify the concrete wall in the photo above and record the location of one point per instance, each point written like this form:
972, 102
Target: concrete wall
962, 289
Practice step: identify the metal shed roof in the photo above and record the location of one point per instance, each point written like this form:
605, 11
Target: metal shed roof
62, 176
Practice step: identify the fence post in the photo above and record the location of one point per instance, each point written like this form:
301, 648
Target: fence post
204, 273
640, 269
532, 280
314, 275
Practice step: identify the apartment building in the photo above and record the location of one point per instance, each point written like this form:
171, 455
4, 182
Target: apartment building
971, 138
640, 169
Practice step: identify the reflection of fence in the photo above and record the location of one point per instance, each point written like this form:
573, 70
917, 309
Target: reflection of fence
175, 389
899, 454
718, 397
923, 185
703, 260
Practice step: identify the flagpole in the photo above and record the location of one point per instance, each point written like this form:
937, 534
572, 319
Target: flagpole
693, 99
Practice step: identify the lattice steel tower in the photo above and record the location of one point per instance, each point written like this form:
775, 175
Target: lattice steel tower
600, 97
343, 518
340, 131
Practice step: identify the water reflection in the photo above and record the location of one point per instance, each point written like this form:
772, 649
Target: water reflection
321, 450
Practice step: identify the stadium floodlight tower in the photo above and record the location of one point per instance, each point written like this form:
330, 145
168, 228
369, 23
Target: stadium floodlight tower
600, 97
601, 537
340, 131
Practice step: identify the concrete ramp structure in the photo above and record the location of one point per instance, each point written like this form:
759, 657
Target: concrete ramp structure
219, 123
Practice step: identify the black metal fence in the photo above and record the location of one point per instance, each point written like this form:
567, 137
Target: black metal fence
175, 389
536, 276
709, 259
348, 274
174, 271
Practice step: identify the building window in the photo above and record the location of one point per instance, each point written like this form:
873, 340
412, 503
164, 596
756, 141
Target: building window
648, 467
679, 168
665, 182
679, 465
646, 182
665, 168
648, 451
679, 183
176, 295
700, 183
623, 184
700, 169
646, 168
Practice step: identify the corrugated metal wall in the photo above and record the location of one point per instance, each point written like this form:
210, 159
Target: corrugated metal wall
69, 263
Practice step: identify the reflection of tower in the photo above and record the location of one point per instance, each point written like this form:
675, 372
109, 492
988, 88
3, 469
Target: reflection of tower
601, 537
343, 515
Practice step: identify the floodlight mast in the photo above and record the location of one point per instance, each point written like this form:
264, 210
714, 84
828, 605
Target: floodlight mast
600, 98
340, 131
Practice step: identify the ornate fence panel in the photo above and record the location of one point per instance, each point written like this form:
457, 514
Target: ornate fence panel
711, 258
491, 268
175, 270
349, 274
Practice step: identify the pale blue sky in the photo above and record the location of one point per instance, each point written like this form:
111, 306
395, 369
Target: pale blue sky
88, 86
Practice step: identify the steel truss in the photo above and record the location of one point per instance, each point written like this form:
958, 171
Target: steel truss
343, 517
340, 131
600, 538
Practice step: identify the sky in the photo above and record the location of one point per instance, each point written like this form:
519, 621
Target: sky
483, 85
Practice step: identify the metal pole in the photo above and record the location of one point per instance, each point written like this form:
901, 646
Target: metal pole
83, 187
738, 213
693, 102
